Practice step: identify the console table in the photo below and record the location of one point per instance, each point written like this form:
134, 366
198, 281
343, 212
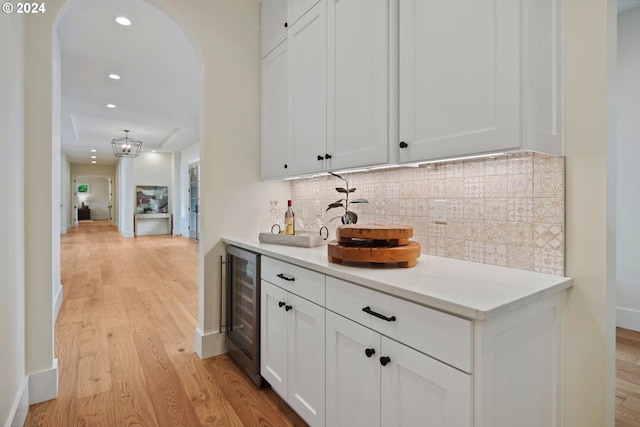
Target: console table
151, 224
84, 213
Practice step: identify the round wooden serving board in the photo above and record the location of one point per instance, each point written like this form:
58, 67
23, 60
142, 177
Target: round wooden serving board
404, 256
394, 234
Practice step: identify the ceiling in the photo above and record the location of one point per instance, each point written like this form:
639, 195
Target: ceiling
157, 97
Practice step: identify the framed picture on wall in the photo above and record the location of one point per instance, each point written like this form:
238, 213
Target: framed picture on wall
83, 189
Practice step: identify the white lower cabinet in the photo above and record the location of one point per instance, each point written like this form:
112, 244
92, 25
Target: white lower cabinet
293, 351
375, 381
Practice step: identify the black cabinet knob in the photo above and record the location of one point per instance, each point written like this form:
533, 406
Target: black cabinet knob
327, 156
384, 360
403, 144
280, 303
287, 307
369, 352
320, 157
286, 24
285, 166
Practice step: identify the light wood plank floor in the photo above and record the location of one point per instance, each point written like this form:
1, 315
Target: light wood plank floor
627, 378
124, 340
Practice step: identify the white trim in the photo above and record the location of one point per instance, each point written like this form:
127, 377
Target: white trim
20, 407
43, 385
628, 319
210, 344
57, 302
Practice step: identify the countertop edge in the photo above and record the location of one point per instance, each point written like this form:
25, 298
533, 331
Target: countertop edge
440, 304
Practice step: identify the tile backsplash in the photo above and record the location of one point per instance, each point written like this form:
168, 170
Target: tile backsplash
506, 210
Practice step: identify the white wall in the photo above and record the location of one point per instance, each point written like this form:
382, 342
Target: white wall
65, 194
188, 156
98, 198
13, 379
628, 249
590, 355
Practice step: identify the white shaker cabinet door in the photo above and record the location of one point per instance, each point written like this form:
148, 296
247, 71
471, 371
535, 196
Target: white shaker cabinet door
306, 331
419, 390
273, 337
273, 24
297, 8
307, 51
358, 82
274, 142
353, 374
459, 68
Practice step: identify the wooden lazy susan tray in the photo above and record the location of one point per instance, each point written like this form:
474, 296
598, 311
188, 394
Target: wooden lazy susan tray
380, 244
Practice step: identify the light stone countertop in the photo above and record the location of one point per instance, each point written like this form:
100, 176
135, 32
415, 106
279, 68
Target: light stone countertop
466, 289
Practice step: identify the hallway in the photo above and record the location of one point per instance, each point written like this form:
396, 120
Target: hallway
124, 340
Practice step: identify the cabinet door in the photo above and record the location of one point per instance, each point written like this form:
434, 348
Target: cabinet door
419, 390
306, 323
273, 337
353, 377
297, 8
358, 82
274, 142
307, 46
459, 77
273, 24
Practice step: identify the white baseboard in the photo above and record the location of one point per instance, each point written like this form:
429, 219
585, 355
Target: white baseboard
628, 319
20, 407
209, 345
57, 302
43, 385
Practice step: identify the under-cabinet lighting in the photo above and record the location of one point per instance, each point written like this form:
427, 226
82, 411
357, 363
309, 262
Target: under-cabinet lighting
456, 159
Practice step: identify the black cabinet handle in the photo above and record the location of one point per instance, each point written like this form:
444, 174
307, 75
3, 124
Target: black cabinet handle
369, 352
287, 307
327, 156
384, 360
403, 144
285, 277
280, 303
320, 157
368, 310
286, 24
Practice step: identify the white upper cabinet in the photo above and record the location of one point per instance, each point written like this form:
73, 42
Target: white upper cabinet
307, 75
275, 150
459, 77
297, 8
477, 77
358, 83
273, 24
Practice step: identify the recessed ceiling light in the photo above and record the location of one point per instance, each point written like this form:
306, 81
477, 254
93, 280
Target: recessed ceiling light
111, 106
123, 21
93, 151
114, 76
93, 157
93, 161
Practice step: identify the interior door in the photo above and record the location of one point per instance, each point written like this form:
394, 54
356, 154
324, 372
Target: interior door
194, 200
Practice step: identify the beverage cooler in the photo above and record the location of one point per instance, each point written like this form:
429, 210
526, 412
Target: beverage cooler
243, 310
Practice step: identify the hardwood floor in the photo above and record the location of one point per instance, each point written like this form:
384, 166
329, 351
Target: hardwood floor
124, 340
627, 378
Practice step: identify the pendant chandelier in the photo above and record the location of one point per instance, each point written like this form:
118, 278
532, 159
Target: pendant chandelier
126, 147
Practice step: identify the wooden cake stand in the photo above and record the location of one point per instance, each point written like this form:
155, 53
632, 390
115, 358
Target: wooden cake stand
375, 243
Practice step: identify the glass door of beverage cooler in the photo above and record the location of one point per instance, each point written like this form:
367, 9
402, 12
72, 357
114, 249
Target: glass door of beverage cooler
243, 309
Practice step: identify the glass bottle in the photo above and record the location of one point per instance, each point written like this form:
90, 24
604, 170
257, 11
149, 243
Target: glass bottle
289, 220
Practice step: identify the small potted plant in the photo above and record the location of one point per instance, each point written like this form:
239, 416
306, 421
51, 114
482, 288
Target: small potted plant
349, 217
